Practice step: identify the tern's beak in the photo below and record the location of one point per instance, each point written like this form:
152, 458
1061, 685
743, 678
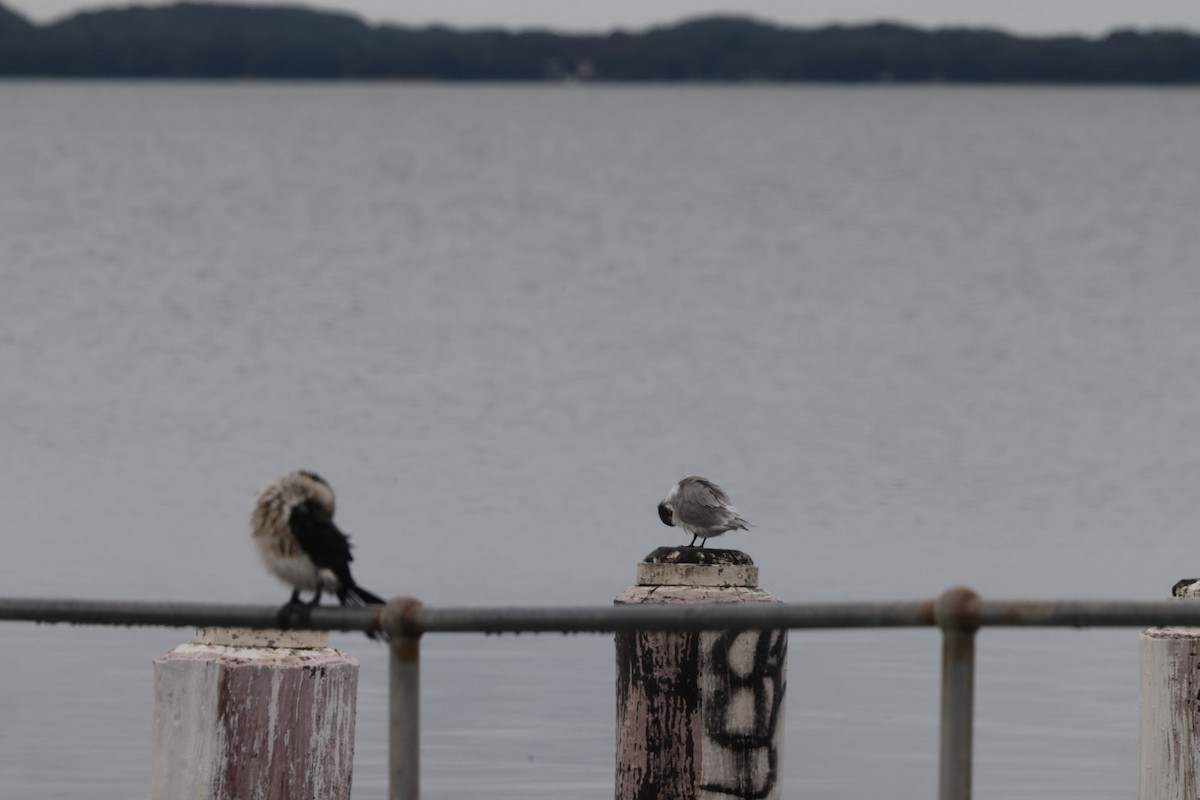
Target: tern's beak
665, 514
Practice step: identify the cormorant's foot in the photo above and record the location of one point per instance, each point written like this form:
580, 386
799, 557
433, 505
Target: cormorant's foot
293, 613
284, 617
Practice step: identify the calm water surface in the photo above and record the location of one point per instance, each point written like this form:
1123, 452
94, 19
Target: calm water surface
923, 337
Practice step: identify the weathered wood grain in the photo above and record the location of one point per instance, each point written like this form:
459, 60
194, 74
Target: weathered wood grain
254, 720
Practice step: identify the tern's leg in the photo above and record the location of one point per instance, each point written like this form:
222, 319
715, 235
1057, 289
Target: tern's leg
316, 599
702, 541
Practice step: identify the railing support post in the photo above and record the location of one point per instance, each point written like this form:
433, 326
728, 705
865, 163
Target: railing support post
957, 614
404, 700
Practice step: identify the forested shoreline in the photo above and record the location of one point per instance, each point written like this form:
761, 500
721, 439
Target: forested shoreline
222, 41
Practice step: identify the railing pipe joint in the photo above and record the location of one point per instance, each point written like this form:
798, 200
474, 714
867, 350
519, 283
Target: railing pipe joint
398, 618
957, 609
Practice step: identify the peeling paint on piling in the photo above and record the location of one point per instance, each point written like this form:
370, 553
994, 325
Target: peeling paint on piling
1169, 713
236, 722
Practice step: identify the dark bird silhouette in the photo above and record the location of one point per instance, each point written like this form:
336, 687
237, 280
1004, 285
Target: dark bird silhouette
293, 527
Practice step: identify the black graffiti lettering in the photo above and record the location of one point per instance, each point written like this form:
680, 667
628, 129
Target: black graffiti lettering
749, 744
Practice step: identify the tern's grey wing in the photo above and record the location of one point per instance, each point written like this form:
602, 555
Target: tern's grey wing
717, 494
701, 502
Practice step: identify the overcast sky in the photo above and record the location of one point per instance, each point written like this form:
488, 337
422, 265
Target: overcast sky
1019, 16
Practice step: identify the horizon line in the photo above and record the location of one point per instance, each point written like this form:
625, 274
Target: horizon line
104, 7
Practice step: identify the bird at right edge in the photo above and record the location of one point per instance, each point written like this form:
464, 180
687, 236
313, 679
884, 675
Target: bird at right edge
1188, 587
701, 508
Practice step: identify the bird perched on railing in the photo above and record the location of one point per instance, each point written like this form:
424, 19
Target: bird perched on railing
1188, 587
292, 525
701, 508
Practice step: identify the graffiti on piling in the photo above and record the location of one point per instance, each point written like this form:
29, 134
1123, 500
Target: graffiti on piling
742, 711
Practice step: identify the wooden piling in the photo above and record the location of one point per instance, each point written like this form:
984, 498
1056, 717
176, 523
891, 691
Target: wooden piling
253, 714
1169, 714
699, 715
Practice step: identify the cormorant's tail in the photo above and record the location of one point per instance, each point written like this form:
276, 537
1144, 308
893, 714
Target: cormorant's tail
354, 596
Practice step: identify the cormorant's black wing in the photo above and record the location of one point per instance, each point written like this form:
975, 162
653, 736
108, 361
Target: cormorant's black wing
321, 540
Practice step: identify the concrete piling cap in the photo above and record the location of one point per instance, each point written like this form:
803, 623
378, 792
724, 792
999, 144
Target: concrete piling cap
266, 638
697, 566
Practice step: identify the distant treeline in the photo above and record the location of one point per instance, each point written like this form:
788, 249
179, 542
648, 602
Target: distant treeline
192, 40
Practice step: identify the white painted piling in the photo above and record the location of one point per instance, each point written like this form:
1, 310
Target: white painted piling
699, 715
241, 714
1169, 714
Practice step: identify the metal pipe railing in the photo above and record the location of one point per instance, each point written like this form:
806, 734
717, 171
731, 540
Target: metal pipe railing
178, 615
959, 612
609, 619
723, 616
